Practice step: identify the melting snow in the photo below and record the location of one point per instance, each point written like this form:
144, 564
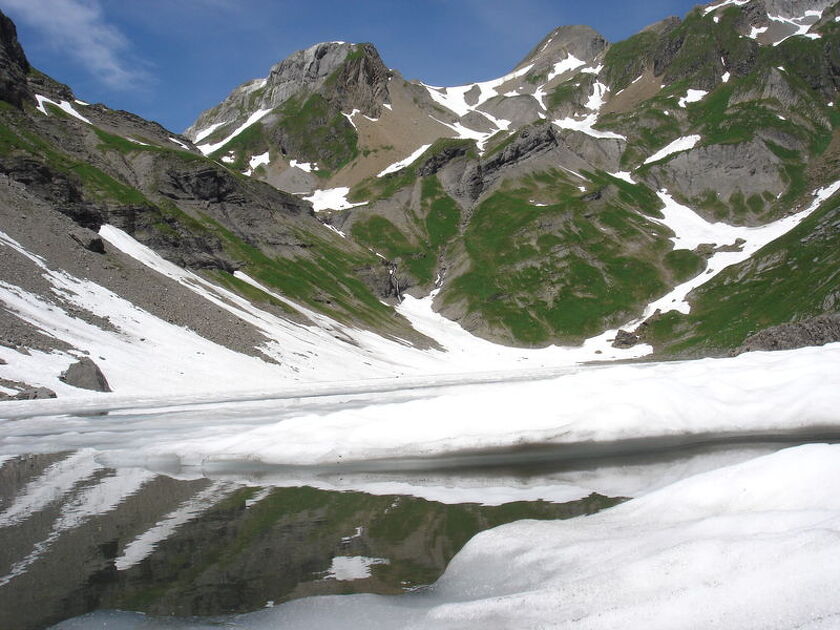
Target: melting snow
691, 230
692, 96
257, 161
566, 65
455, 99
585, 125
304, 166
801, 25
725, 77
207, 149
350, 117
396, 166
680, 144
708, 10
331, 199
755, 31
201, 135
347, 568
179, 143
63, 106
746, 546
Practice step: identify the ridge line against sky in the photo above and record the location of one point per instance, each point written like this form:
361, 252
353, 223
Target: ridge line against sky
168, 61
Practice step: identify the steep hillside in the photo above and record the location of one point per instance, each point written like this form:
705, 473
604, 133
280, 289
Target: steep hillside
538, 211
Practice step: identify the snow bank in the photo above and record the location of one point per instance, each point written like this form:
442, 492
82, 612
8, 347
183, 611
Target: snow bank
750, 394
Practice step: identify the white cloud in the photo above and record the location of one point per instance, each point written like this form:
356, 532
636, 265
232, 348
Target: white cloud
79, 29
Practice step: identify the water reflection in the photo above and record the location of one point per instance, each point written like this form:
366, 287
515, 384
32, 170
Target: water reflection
77, 536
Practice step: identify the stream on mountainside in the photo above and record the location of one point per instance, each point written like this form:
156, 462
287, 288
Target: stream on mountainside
79, 536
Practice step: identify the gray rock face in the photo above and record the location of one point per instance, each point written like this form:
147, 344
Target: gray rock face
725, 169
351, 75
13, 65
85, 374
816, 331
88, 239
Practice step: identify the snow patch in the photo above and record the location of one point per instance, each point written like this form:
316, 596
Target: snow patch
680, 144
348, 568
179, 143
691, 230
257, 161
64, 106
692, 96
708, 10
207, 149
566, 65
332, 199
397, 166
585, 125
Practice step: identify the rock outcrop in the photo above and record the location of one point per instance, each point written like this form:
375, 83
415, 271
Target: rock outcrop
13, 65
816, 331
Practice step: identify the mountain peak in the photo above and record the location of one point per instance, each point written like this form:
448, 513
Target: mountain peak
579, 41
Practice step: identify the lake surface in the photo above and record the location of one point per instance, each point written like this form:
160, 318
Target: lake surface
77, 535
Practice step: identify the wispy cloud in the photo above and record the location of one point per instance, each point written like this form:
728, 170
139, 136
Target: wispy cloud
80, 29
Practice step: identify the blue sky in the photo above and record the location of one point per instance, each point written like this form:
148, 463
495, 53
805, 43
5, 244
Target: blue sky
168, 60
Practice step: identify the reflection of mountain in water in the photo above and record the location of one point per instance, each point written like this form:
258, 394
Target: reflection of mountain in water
75, 537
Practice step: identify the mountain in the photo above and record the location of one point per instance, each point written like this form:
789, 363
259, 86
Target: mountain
676, 190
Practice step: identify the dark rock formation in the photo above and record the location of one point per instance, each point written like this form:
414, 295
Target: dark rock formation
88, 239
816, 331
361, 82
13, 65
85, 374
624, 339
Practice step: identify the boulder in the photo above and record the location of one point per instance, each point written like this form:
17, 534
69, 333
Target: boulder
85, 374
